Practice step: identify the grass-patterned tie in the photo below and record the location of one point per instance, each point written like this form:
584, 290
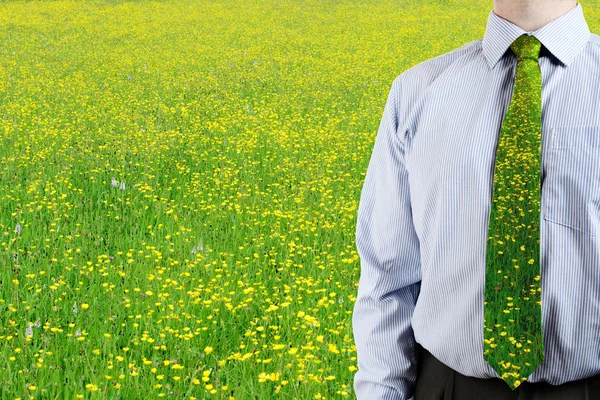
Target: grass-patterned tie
513, 343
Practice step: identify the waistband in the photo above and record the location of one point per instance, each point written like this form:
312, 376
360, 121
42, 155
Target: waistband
425, 357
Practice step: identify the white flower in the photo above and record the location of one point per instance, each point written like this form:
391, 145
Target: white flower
200, 247
29, 330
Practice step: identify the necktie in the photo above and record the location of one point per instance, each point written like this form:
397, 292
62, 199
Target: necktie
513, 343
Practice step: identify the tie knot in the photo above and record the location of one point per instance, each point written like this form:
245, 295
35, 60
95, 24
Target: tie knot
526, 47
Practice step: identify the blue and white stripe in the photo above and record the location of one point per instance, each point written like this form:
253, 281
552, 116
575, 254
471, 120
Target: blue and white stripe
424, 210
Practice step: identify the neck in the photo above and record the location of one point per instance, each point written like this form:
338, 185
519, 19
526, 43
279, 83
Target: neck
530, 15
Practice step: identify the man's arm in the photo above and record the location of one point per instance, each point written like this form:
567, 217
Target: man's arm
390, 269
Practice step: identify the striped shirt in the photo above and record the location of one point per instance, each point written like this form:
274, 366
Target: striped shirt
423, 214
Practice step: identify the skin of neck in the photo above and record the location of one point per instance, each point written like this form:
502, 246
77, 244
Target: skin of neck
530, 15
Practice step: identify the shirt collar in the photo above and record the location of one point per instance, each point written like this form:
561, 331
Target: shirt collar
564, 37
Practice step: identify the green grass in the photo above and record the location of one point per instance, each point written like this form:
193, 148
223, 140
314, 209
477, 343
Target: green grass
242, 127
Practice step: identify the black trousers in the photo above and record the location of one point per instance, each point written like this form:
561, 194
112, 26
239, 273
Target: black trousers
437, 381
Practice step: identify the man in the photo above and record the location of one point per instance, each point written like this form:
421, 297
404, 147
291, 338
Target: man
436, 211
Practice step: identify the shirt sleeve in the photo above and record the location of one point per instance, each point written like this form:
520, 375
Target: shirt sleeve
390, 277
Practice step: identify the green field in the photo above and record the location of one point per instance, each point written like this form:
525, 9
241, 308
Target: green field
179, 184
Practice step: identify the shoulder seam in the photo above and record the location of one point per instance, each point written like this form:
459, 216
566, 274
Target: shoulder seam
453, 52
594, 39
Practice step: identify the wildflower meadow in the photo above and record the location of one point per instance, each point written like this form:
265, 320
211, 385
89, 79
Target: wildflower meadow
179, 183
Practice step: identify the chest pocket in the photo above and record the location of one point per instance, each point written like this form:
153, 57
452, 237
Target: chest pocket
572, 183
